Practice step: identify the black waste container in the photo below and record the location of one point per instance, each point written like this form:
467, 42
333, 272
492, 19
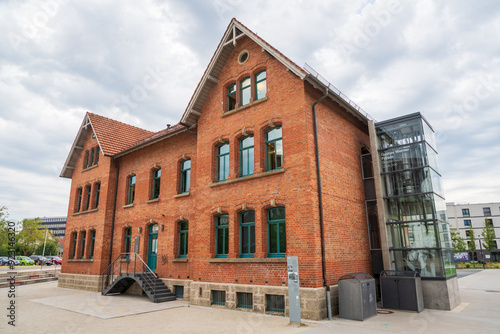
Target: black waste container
357, 297
401, 290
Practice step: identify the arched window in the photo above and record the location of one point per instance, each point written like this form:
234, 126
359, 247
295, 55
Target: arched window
231, 97
97, 190
79, 192
274, 149
223, 162
88, 191
73, 246
131, 189
156, 183
247, 234
246, 92
185, 176
222, 235
246, 156
183, 239
92, 244
82, 246
276, 230
127, 241
260, 85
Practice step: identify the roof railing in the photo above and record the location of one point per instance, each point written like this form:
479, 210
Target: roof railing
336, 91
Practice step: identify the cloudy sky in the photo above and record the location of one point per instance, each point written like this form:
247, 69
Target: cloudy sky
61, 58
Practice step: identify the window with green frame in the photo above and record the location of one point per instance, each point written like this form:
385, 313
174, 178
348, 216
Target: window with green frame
247, 234
274, 148
156, 183
79, 192
260, 85
88, 191
231, 97
82, 246
97, 190
183, 239
73, 246
223, 162
246, 156
185, 176
222, 235
86, 161
92, 244
276, 230
91, 160
128, 240
246, 91
131, 189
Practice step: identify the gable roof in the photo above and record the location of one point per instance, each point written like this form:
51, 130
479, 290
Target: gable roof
112, 137
234, 31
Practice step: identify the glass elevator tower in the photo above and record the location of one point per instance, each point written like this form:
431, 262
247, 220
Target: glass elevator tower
418, 234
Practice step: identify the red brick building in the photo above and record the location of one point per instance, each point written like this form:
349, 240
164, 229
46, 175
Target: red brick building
217, 202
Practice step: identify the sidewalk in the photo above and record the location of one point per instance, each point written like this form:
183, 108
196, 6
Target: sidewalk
45, 308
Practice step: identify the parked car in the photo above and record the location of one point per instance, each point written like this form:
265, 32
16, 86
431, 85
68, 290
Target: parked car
55, 259
4, 261
25, 261
41, 260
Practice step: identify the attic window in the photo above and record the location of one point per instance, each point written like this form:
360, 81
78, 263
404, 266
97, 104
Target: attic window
243, 57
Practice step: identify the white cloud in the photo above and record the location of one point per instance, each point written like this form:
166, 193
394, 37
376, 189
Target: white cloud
391, 57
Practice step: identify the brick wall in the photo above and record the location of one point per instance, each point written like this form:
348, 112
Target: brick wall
288, 104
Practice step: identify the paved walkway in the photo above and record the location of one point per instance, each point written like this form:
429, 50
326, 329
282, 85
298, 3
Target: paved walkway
45, 308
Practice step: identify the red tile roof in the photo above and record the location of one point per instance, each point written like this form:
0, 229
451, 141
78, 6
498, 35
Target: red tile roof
114, 136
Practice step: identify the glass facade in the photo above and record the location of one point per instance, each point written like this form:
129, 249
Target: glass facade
418, 232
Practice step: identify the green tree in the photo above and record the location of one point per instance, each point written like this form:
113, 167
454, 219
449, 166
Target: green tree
488, 235
458, 242
472, 240
30, 236
51, 248
4, 241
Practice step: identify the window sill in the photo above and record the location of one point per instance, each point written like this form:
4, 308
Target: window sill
92, 167
182, 195
80, 260
248, 177
180, 260
128, 206
249, 259
83, 212
246, 106
154, 200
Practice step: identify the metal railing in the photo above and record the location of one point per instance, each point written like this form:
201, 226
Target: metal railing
132, 265
336, 91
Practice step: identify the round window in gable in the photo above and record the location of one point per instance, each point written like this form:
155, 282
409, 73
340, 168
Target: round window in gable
243, 57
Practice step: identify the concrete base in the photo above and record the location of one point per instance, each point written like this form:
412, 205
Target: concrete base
312, 300
441, 295
79, 282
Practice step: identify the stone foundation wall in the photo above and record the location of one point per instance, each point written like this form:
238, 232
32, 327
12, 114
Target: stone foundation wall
312, 300
79, 282
171, 283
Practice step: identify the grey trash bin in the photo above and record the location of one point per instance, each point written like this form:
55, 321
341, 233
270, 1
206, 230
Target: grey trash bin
357, 297
401, 290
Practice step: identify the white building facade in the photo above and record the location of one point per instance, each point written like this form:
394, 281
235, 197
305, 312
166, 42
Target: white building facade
464, 217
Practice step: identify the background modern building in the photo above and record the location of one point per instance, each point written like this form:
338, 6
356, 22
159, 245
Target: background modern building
56, 225
268, 161
467, 216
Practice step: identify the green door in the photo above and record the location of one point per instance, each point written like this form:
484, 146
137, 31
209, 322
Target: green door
153, 246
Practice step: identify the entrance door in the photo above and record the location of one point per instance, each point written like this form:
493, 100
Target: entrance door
153, 246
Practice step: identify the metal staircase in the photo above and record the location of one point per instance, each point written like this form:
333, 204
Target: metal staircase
128, 268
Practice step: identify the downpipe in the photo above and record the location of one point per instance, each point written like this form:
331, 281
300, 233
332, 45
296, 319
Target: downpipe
320, 200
